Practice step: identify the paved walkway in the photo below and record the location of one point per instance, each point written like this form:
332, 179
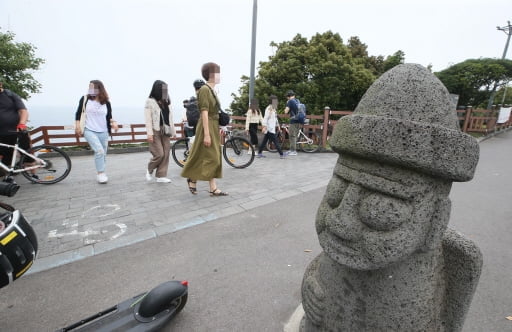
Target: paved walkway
79, 218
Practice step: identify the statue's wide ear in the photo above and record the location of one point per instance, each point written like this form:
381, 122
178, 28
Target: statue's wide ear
438, 223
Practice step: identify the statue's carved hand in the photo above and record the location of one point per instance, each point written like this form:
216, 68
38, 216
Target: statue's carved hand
313, 300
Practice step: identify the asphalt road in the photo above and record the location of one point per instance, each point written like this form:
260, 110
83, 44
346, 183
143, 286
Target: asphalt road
482, 211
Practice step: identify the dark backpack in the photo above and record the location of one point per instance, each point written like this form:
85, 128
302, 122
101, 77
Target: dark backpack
301, 112
192, 114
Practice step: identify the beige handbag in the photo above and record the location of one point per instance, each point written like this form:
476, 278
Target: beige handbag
83, 116
165, 129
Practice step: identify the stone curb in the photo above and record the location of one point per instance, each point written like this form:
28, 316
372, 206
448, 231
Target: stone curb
293, 324
494, 133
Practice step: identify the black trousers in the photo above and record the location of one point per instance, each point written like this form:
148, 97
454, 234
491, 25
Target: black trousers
253, 132
272, 138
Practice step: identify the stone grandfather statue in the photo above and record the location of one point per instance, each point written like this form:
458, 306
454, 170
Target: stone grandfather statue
389, 262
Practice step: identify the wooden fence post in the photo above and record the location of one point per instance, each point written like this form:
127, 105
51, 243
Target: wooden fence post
46, 139
467, 118
325, 128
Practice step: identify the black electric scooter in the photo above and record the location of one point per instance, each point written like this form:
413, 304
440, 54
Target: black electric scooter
149, 311
18, 241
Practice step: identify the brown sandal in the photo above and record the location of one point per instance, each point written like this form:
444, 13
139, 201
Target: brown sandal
218, 192
193, 190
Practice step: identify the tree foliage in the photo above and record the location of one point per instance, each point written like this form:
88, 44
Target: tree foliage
474, 79
322, 72
17, 63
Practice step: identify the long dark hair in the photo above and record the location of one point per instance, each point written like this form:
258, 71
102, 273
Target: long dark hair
156, 93
254, 106
102, 92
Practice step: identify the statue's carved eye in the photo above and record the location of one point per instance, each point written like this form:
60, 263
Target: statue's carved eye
335, 191
384, 213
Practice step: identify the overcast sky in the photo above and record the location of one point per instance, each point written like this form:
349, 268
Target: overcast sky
130, 43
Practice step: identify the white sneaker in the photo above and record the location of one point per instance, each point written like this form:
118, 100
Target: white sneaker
102, 178
163, 180
292, 153
149, 176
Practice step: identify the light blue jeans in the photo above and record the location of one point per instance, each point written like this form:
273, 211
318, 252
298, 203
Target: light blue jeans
99, 144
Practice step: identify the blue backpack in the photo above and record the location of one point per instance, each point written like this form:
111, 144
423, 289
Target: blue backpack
301, 112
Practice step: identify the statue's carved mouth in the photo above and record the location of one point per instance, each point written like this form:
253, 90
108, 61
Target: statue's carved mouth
338, 245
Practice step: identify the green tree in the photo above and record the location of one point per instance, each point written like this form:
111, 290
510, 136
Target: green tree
474, 79
376, 64
17, 63
322, 71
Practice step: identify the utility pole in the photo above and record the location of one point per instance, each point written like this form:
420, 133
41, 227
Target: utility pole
508, 31
253, 48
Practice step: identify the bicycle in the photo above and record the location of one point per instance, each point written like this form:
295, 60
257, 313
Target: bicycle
237, 151
45, 164
310, 142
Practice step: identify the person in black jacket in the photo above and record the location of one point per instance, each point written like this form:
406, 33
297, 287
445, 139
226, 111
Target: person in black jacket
192, 116
13, 117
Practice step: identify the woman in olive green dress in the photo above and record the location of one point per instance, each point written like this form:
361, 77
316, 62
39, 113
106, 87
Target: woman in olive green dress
205, 160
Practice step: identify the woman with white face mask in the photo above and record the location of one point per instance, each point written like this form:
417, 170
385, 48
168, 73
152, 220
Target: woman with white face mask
98, 124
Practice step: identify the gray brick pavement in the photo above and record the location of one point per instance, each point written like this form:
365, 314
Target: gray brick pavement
79, 218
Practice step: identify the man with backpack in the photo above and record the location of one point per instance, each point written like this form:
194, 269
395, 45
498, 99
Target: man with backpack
192, 111
13, 117
292, 108
192, 114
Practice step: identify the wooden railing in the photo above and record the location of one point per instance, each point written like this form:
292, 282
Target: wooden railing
65, 135
322, 124
480, 121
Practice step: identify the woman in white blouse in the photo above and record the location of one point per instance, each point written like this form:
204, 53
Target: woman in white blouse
98, 124
252, 120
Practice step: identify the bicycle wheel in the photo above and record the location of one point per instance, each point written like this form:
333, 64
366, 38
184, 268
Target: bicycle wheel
271, 146
312, 145
238, 152
56, 167
180, 150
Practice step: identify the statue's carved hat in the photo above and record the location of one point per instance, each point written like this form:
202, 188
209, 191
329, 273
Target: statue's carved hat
407, 118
